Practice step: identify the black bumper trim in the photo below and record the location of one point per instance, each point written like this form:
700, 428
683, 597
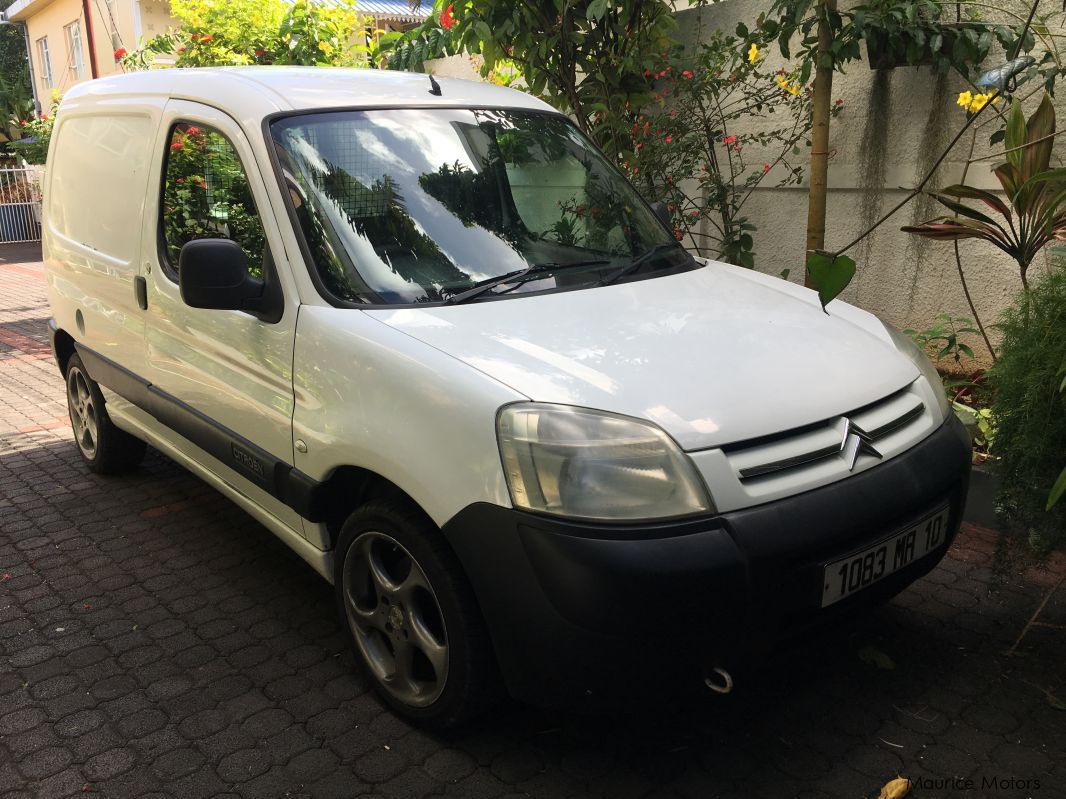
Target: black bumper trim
579, 616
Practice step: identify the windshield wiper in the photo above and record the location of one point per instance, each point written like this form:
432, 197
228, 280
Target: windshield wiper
634, 265
516, 277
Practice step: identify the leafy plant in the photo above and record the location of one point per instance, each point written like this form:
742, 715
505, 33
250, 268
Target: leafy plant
979, 421
16, 108
684, 150
1030, 412
217, 33
36, 134
407, 51
589, 58
206, 194
942, 338
914, 32
1059, 488
1033, 214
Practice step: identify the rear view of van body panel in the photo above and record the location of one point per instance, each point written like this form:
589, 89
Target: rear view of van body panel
94, 204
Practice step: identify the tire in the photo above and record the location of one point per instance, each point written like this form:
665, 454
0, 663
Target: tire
104, 448
412, 617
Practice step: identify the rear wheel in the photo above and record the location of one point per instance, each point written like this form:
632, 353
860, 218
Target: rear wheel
104, 448
413, 620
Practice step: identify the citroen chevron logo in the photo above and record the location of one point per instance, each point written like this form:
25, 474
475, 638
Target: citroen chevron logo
855, 442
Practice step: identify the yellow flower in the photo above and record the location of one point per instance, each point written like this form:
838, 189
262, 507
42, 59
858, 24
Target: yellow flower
975, 102
325, 47
785, 84
753, 53
981, 100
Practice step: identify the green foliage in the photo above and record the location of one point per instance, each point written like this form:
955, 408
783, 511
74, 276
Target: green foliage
408, 50
36, 133
1030, 411
1033, 212
896, 32
979, 422
206, 195
683, 150
589, 58
942, 339
16, 107
1059, 488
830, 275
217, 33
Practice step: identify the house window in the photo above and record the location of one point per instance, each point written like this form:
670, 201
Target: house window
46, 62
77, 56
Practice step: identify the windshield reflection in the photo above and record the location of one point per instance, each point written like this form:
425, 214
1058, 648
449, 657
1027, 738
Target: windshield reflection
419, 205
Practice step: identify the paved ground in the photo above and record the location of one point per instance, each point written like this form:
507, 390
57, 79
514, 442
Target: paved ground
155, 641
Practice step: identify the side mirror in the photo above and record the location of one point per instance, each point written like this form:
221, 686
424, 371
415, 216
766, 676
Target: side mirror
662, 212
213, 273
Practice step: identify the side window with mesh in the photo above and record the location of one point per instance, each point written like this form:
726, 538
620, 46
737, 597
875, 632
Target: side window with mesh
206, 195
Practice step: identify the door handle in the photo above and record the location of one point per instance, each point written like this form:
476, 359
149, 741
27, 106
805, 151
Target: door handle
140, 289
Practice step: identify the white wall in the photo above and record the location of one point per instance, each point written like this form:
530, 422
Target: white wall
894, 124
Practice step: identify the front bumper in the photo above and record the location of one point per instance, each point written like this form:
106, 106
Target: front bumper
584, 614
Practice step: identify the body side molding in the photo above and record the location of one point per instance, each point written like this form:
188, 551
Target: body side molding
274, 475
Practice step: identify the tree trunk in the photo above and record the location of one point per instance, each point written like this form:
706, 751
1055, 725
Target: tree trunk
818, 178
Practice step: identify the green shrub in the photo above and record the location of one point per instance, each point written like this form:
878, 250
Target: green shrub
1030, 413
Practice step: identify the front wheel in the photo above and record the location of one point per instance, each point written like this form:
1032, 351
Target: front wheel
412, 616
104, 448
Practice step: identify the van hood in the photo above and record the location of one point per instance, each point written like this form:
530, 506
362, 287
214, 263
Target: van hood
713, 355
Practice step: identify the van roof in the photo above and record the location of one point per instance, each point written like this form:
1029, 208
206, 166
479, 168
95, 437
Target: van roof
248, 92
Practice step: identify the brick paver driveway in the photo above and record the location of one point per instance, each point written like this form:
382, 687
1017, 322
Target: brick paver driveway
155, 641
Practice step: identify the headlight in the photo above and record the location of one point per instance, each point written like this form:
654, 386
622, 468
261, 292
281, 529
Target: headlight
925, 366
591, 464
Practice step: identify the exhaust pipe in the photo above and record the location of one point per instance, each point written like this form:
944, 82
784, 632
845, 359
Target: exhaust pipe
719, 681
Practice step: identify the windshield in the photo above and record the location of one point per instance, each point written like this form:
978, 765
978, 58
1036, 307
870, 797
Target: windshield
424, 205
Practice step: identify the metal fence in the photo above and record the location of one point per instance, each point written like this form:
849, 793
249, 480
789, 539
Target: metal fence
20, 204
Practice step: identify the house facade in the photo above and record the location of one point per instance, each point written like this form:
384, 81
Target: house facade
70, 41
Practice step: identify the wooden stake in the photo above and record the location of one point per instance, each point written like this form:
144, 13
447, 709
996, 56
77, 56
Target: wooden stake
819, 168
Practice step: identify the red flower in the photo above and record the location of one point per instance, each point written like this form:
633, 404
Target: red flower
44, 117
765, 168
176, 145
447, 17
181, 180
729, 139
260, 53
669, 139
686, 74
23, 122
119, 53
181, 49
193, 131
839, 101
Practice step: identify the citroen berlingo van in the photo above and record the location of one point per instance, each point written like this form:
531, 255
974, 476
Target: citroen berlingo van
431, 338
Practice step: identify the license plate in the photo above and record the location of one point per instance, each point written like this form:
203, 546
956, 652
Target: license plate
846, 576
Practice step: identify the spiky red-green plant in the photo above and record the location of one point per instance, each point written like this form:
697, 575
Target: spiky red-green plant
1033, 212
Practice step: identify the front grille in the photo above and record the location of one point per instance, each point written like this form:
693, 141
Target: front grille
758, 470
827, 440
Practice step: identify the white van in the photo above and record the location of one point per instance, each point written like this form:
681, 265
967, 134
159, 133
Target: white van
432, 339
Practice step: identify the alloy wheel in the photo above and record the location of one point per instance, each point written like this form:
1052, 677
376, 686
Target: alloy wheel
83, 412
395, 619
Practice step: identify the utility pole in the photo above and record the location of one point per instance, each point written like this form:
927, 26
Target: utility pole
819, 168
